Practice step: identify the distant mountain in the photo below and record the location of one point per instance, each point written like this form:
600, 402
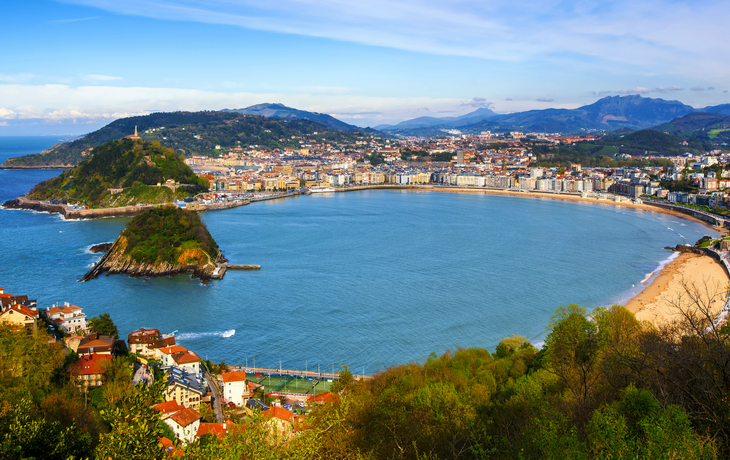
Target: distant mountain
722, 108
609, 113
288, 113
444, 122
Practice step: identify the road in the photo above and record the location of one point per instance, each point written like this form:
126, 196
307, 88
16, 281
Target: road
216, 401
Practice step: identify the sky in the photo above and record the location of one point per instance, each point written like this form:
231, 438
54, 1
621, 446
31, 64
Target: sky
69, 67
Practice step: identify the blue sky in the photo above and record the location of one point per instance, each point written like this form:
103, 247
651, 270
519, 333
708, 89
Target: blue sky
71, 66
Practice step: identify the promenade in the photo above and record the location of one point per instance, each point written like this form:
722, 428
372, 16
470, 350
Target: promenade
296, 373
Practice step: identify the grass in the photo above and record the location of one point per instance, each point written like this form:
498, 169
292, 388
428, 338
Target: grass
714, 132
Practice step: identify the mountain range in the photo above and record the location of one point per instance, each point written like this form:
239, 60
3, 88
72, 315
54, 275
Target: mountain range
608, 113
287, 113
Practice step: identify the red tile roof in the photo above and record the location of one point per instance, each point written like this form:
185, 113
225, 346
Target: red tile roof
323, 398
186, 416
216, 429
238, 376
168, 407
90, 365
185, 357
173, 349
278, 412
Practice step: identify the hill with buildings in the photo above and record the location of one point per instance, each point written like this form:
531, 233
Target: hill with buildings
123, 173
188, 133
163, 241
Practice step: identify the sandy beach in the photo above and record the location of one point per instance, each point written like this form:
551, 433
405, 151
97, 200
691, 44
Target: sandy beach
657, 302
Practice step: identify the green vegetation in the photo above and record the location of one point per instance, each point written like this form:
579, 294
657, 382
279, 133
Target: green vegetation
169, 234
104, 325
134, 166
604, 385
589, 154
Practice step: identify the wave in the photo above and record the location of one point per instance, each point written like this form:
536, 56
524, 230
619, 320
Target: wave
200, 335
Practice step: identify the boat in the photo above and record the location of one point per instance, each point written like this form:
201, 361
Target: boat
321, 189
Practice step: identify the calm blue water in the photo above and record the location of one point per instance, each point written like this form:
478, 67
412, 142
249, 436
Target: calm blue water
370, 279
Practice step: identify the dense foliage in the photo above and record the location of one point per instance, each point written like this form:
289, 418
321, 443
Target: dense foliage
104, 325
164, 233
128, 164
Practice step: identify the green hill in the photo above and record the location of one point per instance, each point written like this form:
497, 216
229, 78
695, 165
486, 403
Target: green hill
192, 133
702, 127
131, 169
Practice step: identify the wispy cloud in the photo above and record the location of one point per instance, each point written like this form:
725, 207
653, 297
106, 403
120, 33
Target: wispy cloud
702, 88
16, 78
542, 99
478, 102
64, 21
652, 34
97, 77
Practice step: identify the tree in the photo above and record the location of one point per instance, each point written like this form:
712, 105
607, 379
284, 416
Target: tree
103, 325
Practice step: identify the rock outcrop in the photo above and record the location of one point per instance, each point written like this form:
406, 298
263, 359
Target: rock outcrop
116, 262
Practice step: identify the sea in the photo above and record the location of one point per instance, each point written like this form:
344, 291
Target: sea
369, 279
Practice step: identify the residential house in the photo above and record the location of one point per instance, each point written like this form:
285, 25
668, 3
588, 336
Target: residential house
17, 315
148, 342
183, 387
236, 388
88, 371
68, 317
185, 424
96, 344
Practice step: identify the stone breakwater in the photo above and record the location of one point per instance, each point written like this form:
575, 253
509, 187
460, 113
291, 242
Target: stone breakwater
71, 212
115, 262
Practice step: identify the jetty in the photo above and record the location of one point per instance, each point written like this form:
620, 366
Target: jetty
243, 267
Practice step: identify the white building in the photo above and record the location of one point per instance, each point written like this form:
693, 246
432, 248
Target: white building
67, 317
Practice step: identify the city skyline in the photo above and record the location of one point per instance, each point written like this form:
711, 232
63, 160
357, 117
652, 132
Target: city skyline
77, 65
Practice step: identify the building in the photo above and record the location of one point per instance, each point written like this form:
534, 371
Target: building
183, 387
148, 342
88, 371
18, 316
96, 344
185, 424
236, 388
69, 318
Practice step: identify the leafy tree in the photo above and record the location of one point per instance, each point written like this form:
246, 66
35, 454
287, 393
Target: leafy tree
104, 325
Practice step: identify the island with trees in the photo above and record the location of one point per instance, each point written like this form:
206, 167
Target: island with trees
162, 241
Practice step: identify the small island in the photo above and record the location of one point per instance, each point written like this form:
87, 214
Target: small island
163, 241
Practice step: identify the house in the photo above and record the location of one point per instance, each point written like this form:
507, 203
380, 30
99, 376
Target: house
167, 352
88, 371
187, 360
323, 398
236, 388
68, 317
96, 344
281, 421
148, 342
17, 315
185, 424
183, 388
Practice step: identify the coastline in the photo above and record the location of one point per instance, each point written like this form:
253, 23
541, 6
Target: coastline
656, 303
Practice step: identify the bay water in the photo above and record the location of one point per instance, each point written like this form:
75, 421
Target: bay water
369, 279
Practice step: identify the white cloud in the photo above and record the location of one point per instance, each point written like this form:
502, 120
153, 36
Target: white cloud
7, 114
16, 78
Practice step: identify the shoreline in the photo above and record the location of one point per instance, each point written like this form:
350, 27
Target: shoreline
657, 301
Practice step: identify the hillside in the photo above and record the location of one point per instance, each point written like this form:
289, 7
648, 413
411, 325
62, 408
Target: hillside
709, 128
190, 133
287, 113
131, 168
163, 241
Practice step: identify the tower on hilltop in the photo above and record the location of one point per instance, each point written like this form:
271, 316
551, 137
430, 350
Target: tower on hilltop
134, 136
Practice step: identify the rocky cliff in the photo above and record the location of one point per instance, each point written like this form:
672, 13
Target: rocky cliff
116, 262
